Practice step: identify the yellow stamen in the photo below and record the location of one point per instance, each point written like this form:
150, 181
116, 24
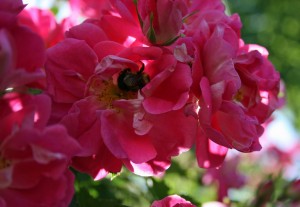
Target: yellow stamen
4, 163
107, 92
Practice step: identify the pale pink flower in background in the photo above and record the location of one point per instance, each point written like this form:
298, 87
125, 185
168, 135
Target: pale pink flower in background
226, 177
214, 204
43, 22
278, 158
88, 8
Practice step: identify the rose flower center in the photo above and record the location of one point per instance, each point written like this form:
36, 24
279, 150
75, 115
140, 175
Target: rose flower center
125, 86
4, 163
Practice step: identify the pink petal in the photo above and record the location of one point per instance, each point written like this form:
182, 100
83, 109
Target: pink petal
118, 29
84, 125
169, 89
172, 133
119, 137
30, 49
98, 165
94, 35
68, 67
209, 154
172, 201
105, 48
155, 167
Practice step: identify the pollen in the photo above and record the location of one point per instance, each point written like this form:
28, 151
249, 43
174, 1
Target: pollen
4, 163
239, 96
106, 92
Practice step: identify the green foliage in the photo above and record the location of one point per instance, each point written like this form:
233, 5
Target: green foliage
124, 190
183, 178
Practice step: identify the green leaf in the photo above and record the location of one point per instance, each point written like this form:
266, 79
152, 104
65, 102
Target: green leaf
138, 14
158, 188
151, 33
34, 91
171, 41
114, 175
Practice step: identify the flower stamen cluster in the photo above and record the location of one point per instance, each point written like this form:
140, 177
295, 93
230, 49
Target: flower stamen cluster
4, 163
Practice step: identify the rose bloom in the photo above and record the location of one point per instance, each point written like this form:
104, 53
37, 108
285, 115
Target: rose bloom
105, 70
161, 21
34, 159
260, 81
172, 201
88, 8
43, 23
22, 53
123, 104
211, 49
209, 46
222, 88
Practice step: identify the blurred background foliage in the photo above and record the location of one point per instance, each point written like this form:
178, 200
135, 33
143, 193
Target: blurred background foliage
184, 178
275, 24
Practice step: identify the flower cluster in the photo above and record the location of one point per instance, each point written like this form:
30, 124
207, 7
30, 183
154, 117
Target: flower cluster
137, 84
34, 157
148, 79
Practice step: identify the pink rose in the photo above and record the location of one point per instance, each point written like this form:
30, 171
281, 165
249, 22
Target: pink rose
43, 23
22, 52
88, 8
34, 158
211, 50
8, 12
161, 21
172, 201
226, 177
117, 103
260, 82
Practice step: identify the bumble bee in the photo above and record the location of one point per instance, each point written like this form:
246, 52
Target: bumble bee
130, 81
